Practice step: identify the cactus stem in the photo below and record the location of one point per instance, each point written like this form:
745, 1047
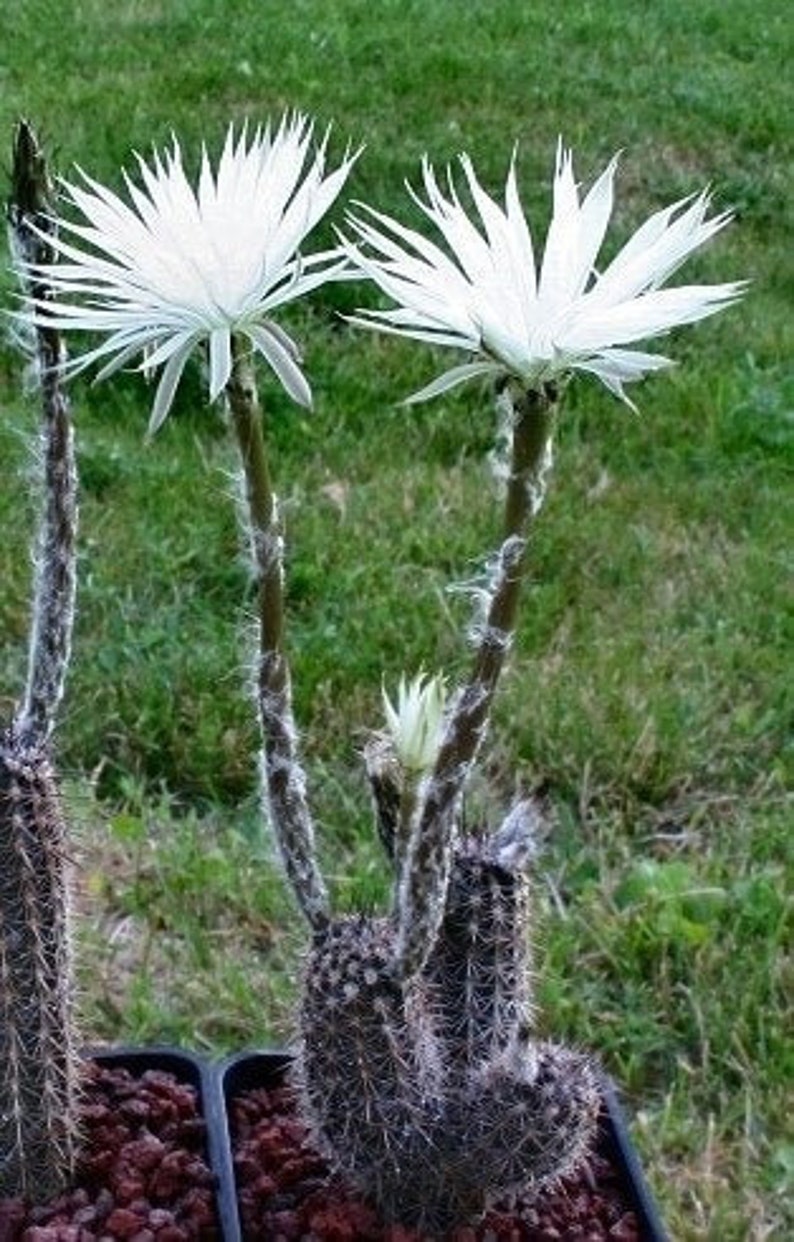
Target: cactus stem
422, 893
283, 777
39, 1073
31, 222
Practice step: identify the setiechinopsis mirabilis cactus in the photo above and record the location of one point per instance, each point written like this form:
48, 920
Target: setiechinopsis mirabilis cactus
441, 1099
417, 1065
417, 1061
38, 1060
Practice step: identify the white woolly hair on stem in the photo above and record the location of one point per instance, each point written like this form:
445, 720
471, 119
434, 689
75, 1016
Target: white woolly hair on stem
32, 228
284, 780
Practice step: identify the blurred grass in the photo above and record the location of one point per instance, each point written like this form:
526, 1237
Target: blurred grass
650, 697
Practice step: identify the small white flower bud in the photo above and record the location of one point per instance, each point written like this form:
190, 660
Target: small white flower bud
415, 723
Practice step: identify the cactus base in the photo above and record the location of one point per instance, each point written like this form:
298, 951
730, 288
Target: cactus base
300, 1189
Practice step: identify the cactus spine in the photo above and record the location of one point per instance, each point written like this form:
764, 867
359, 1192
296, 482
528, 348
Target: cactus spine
38, 1061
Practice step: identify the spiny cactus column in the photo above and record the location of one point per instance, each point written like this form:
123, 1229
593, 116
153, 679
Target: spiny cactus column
31, 220
480, 966
369, 1070
38, 1061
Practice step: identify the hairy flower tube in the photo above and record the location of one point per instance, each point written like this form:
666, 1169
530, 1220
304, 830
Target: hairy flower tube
485, 293
177, 265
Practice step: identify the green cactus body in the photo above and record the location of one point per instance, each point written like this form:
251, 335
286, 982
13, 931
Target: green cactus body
38, 1064
369, 1068
526, 1119
480, 964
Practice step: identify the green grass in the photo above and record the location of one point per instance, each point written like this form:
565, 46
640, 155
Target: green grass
650, 696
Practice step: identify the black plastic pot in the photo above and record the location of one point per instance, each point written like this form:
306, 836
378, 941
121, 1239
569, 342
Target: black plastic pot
248, 1071
197, 1072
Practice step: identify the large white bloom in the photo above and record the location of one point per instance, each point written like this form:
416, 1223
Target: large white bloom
484, 293
180, 265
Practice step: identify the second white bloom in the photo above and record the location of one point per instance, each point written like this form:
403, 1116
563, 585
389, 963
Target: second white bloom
485, 294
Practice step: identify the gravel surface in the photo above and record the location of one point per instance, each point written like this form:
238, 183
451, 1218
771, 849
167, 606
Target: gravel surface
142, 1175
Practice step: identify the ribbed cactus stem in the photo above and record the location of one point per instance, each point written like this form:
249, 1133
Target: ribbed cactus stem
480, 966
283, 777
429, 1146
31, 222
38, 1064
38, 1061
369, 1072
528, 1118
429, 857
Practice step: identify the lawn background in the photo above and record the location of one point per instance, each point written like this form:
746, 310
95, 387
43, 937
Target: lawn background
650, 697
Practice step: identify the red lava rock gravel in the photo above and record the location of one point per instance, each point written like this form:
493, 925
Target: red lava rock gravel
142, 1175
287, 1195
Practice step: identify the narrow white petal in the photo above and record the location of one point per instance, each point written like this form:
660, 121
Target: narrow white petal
220, 361
629, 364
379, 322
647, 316
521, 237
593, 220
282, 361
494, 219
172, 373
560, 268
163, 350
451, 378
616, 367
118, 360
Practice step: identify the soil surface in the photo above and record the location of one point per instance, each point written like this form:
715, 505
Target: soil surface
142, 1176
286, 1193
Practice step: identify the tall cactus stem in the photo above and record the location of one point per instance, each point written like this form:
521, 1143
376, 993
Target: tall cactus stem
31, 223
39, 1067
422, 892
283, 777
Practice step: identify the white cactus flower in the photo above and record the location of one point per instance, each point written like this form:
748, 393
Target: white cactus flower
177, 266
415, 723
485, 294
